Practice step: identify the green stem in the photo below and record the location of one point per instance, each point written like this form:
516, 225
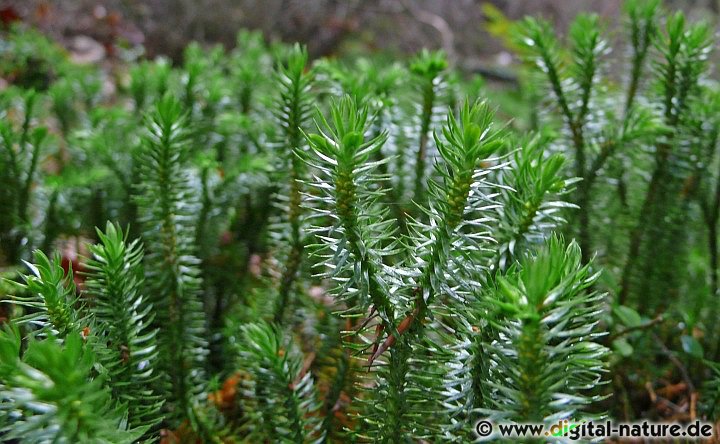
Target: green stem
530, 361
396, 407
346, 190
24, 201
429, 96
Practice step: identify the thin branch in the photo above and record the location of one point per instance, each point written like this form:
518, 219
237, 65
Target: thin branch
447, 36
634, 328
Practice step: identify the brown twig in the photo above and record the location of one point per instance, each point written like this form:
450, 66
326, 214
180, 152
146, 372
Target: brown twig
404, 326
679, 365
635, 328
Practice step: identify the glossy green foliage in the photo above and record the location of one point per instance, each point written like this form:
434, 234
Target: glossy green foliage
167, 206
284, 394
544, 362
115, 279
50, 395
300, 250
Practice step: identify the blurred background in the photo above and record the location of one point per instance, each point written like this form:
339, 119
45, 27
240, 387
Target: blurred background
94, 29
